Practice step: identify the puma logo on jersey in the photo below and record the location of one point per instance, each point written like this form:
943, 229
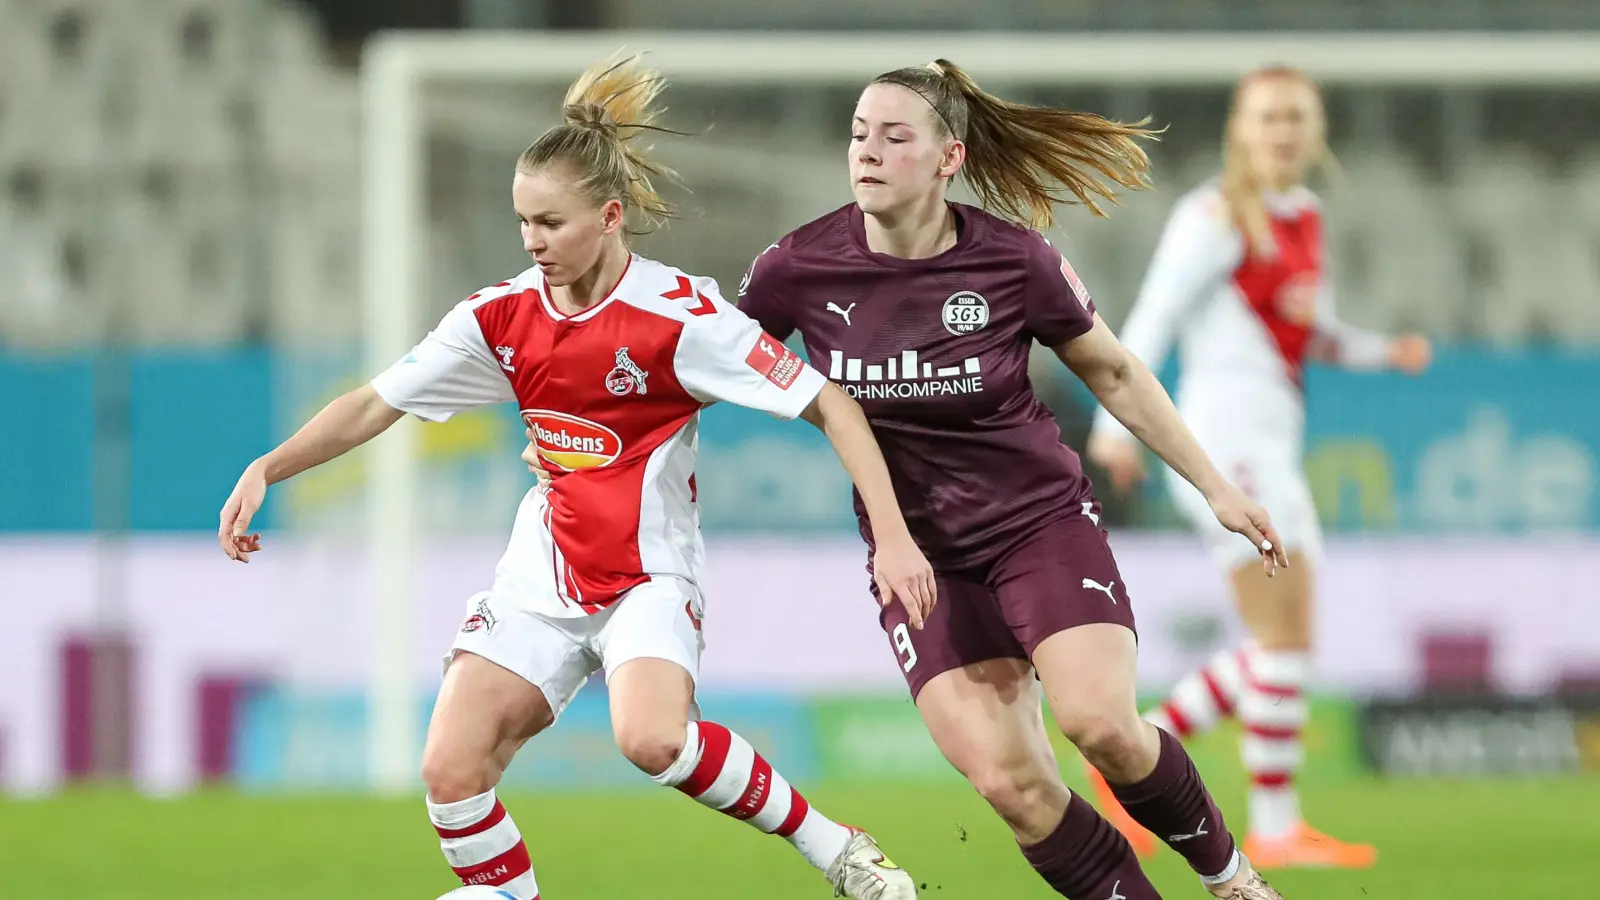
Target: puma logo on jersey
505, 353
843, 313
1116, 892
1200, 831
1091, 584
626, 376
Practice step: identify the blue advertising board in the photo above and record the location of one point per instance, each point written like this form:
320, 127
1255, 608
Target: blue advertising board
1486, 441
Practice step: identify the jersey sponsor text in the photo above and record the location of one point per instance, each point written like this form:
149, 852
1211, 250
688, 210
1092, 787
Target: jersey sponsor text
572, 442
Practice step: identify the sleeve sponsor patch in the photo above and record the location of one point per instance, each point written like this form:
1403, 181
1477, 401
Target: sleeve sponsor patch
775, 362
1074, 281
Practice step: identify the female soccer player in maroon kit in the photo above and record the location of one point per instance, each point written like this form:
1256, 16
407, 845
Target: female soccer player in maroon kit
924, 311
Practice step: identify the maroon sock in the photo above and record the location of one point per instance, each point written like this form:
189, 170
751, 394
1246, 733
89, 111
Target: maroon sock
1085, 858
1174, 805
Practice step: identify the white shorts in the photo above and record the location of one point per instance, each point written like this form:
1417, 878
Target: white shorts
1277, 482
659, 619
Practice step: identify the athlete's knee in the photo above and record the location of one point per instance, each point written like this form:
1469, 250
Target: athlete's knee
653, 747
1112, 743
1021, 794
452, 774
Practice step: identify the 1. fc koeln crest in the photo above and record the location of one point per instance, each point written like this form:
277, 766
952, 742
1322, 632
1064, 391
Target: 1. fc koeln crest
627, 377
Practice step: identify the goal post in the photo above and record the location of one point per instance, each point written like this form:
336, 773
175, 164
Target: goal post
399, 67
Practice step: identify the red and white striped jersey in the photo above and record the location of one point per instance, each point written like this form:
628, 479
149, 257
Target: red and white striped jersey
1245, 324
613, 395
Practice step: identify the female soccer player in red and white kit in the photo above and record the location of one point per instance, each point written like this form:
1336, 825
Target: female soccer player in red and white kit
1240, 281
610, 357
924, 310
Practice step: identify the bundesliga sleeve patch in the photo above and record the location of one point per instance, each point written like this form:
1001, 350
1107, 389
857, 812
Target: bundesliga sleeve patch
1074, 282
776, 363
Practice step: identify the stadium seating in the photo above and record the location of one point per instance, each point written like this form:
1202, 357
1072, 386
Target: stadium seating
203, 169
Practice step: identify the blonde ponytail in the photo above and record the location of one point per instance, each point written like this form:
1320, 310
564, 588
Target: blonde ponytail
1243, 194
1023, 159
604, 113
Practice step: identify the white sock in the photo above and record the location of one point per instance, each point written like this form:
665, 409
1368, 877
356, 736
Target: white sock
1232, 869
1273, 711
819, 839
483, 846
1274, 812
721, 770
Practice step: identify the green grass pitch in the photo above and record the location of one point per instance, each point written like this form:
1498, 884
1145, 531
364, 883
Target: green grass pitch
1437, 841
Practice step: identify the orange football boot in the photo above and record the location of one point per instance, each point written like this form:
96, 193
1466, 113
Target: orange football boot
1307, 848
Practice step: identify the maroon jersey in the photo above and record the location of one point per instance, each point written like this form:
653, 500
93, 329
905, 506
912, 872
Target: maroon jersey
936, 351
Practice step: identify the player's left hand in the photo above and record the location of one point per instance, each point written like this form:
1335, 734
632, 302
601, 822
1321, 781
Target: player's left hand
902, 572
1241, 515
1411, 353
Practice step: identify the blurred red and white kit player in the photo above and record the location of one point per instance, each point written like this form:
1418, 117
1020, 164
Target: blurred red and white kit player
1240, 281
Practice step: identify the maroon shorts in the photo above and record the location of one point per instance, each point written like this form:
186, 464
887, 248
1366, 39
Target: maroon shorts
1061, 576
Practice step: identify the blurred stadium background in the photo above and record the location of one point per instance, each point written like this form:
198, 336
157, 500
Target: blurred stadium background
183, 250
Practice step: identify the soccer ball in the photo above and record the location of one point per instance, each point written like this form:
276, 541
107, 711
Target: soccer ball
479, 892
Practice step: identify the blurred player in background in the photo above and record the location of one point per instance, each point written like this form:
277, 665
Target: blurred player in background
610, 357
1240, 280
925, 310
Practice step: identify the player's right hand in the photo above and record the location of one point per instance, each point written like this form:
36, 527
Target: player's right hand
1241, 515
1122, 459
1411, 353
234, 527
903, 573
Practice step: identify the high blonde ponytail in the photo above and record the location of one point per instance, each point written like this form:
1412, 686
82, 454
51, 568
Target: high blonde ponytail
605, 111
1023, 159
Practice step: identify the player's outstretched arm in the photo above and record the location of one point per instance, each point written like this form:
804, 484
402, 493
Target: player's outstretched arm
1353, 348
1130, 391
341, 426
898, 566
1342, 344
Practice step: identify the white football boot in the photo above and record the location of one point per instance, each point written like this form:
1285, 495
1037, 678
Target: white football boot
862, 872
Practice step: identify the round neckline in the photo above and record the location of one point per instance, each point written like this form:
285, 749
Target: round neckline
965, 225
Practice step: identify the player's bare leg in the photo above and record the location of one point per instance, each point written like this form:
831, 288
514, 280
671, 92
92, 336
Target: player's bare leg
986, 719
650, 702
483, 713
1279, 612
1088, 674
